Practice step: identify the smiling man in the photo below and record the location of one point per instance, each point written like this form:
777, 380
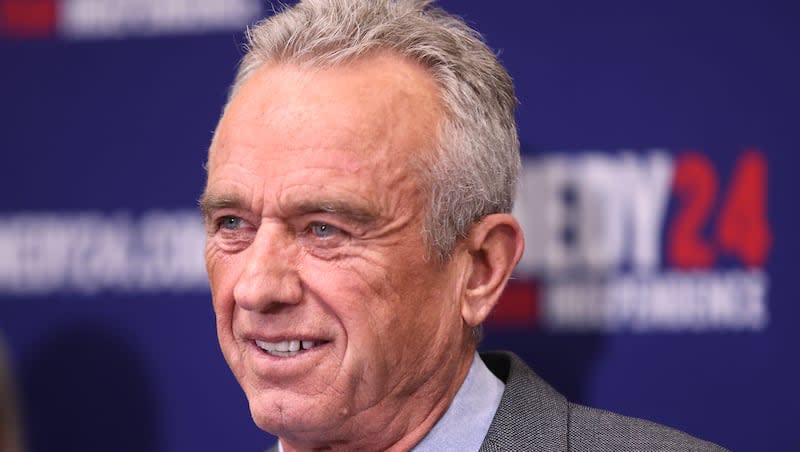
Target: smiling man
360, 184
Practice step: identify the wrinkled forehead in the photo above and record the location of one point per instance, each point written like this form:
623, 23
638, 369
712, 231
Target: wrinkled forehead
382, 103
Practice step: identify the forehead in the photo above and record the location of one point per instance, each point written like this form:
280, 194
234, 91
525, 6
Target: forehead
382, 107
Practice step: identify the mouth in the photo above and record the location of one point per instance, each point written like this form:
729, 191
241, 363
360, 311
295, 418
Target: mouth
288, 348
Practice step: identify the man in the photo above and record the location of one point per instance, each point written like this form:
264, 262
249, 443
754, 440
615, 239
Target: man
360, 184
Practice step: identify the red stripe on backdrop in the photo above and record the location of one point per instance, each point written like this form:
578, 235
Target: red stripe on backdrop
518, 307
27, 18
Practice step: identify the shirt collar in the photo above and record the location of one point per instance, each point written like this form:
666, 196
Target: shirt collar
465, 424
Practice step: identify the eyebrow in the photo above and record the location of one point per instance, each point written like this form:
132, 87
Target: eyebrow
346, 210
210, 203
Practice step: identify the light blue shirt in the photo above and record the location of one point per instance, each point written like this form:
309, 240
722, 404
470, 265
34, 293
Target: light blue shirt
465, 424
467, 420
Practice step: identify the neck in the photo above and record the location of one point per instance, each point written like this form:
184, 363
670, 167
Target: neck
400, 424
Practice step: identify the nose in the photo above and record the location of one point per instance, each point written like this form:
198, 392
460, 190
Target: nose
270, 276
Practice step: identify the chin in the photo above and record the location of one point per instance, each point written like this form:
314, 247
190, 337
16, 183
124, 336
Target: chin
297, 419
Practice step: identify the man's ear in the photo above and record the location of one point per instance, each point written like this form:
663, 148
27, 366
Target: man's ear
495, 245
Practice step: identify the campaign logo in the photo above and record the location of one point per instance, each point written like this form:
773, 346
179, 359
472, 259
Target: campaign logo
634, 241
109, 19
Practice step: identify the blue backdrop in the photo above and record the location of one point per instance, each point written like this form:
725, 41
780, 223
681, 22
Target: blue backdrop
660, 175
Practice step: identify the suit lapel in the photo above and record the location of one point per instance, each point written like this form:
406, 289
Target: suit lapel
532, 415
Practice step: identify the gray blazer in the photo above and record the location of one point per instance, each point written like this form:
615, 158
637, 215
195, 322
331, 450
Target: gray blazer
534, 417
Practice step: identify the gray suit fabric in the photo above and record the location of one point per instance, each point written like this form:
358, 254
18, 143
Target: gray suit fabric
534, 417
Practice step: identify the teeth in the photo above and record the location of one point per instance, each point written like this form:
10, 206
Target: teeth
286, 348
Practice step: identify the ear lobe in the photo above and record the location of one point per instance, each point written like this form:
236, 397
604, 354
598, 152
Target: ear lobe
495, 245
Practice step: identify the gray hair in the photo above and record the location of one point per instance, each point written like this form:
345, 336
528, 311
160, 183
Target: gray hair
475, 170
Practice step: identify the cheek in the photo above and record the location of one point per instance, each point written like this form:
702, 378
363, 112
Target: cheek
428, 311
350, 293
381, 303
222, 270
358, 294
222, 274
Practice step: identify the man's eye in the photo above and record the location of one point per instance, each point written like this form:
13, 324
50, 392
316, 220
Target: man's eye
230, 222
323, 230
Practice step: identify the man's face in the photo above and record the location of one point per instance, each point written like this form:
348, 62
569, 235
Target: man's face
328, 312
